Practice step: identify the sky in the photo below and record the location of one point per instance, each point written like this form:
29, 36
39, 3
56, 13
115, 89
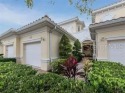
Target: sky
15, 13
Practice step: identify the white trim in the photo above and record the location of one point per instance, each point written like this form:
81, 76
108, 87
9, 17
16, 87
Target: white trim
121, 4
68, 21
8, 44
116, 38
102, 59
45, 60
32, 40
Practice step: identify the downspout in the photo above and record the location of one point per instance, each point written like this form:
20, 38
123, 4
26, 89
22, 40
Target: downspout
50, 43
94, 46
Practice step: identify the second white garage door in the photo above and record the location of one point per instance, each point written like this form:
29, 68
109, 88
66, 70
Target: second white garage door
10, 51
33, 54
116, 51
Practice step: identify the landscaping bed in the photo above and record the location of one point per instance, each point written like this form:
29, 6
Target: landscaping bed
105, 77
17, 78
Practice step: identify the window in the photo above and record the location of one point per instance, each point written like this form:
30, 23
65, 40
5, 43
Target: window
79, 28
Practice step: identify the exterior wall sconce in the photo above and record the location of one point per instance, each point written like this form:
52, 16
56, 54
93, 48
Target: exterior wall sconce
43, 39
103, 39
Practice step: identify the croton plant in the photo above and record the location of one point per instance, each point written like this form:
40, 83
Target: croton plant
70, 67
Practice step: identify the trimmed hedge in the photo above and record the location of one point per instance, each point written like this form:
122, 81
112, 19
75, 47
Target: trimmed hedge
8, 60
17, 78
108, 77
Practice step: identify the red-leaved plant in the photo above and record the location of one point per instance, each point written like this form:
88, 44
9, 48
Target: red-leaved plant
70, 67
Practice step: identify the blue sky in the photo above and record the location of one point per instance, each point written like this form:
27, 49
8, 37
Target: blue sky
14, 13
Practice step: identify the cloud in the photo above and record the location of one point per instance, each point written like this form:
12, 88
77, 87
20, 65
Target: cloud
8, 15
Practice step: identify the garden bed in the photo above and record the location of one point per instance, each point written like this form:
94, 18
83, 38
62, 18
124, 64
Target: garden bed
105, 77
17, 78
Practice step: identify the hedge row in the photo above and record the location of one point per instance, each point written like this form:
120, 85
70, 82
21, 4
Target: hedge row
8, 60
16, 78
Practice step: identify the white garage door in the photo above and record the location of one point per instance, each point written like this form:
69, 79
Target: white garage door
33, 54
117, 51
10, 51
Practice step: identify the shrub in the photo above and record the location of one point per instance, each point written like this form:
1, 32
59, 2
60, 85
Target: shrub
108, 77
56, 66
70, 67
87, 67
1, 55
17, 78
77, 50
52, 83
8, 60
65, 48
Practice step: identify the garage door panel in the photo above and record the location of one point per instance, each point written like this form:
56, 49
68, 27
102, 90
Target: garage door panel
116, 51
33, 54
10, 51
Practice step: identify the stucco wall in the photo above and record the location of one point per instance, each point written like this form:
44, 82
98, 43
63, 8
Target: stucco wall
102, 37
43, 35
40, 35
12, 40
1, 49
70, 27
114, 12
55, 39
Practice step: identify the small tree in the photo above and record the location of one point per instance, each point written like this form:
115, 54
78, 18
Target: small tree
65, 48
77, 50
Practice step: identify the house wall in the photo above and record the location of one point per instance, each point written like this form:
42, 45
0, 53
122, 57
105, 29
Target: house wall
1, 49
49, 45
55, 39
12, 40
114, 13
70, 27
102, 37
40, 35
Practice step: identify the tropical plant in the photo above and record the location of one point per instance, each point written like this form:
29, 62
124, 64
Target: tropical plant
70, 67
77, 50
107, 77
65, 48
87, 67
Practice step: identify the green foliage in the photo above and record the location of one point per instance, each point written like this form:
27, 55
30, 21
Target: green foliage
65, 48
17, 78
56, 66
84, 6
70, 67
8, 60
29, 3
87, 67
77, 50
1, 55
108, 77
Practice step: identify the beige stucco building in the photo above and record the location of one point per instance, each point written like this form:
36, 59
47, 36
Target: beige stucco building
35, 44
72, 25
108, 32
77, 28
